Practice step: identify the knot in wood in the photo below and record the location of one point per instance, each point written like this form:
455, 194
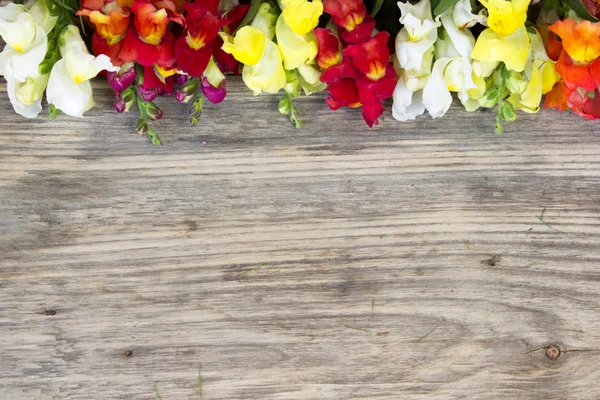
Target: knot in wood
553, 352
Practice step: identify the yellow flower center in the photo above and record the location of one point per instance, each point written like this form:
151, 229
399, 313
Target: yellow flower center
377, 71
195, 43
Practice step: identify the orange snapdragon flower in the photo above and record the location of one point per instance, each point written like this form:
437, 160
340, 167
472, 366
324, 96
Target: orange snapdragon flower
580, 40
111, 25
150, 21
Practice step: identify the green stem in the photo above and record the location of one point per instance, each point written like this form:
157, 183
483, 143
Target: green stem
501, 97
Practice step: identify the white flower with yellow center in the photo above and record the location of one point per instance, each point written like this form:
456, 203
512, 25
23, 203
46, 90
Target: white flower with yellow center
69, 88
453, 70
418, 34
26, 97
26, 42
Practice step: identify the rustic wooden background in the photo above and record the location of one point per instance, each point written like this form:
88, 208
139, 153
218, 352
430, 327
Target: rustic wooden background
331, 262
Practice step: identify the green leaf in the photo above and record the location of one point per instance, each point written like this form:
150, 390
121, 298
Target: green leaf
285, 104
53, 112
508, 112
376, 7
579, 8
64, 5
443, 6
254, 4
153, 135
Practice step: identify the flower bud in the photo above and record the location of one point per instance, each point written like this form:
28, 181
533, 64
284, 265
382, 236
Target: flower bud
516, 83
285, 105
183, 97
146, 94
310, 74
153, 111
121, 81
213, 94
141, 127
181, 79
292, 85
119, 105
125, 100
490, 97
508, 112
128, 94
190, 87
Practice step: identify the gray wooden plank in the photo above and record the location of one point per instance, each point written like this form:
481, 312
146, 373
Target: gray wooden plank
124, 265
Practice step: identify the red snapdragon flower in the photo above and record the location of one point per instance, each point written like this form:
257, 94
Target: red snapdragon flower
351, 17
347, 14
356, 69
330, 48
134, 49
192, 49
371, 57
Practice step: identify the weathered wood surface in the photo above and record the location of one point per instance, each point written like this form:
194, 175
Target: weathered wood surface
123, 264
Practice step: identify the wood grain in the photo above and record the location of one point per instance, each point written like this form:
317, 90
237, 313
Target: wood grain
124, 265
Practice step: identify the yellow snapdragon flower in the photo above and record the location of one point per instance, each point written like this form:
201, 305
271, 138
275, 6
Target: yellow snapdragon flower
537, 79
247, 46
512, 49
263, 65
302, 16
296, 50
505, 16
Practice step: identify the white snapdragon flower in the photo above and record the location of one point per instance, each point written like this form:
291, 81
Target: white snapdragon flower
414, 51
69, 87
418, 34
25, 29
26, 42
429, 87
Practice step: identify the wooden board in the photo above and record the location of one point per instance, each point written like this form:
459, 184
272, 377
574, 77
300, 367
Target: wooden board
402, 262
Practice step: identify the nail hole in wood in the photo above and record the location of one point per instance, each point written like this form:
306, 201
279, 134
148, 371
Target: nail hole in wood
128, 353
492, 261
553, 352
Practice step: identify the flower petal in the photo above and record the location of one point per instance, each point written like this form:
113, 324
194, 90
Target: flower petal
296, 50
71, 98
436, 96
407, 104
268, 74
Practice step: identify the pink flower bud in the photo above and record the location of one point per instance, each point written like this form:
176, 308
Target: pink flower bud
181, 79
213, 94
146, 94
119, 105
122, 82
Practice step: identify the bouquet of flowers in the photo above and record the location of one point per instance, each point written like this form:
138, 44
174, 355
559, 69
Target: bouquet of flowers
502, 54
